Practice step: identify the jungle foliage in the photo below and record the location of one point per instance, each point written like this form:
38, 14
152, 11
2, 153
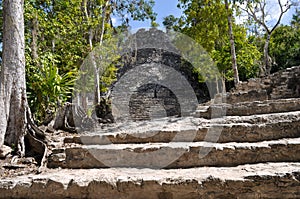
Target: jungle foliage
60, 34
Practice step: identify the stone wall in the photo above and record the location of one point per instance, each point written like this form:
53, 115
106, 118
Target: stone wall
281, 85
153, 101
156, 64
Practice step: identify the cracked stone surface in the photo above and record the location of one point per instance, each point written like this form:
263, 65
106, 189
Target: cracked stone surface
252, 152
181, 154
248, 108
230, 129
269, 180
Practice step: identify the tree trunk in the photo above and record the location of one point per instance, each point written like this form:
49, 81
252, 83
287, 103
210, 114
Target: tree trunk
217, 85
96, 72
97, 94
15, 120
34, 34
96, 68
103, 21
232, 46
267, 65
13, 90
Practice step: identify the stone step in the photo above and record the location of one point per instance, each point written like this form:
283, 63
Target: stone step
228, 133
247, 96
176, 154
229, 129
249, 108
269, 180
280, 85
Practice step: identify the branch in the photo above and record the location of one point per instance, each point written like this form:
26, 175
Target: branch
282, 11
262, 6
252, 14
103, 22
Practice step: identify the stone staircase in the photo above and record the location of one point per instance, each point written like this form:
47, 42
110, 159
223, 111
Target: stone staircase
249, 149
255, 156
242, 140
248, 108
281, 85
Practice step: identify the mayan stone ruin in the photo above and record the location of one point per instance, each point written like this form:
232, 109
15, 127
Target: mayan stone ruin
241, 144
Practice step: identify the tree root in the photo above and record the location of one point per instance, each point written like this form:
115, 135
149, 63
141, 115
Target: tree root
72, 118
35, 143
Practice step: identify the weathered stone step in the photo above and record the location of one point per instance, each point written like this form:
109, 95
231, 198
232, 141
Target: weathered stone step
229, 133
280, 85
249, 108
270, 180
230, 129
177, 155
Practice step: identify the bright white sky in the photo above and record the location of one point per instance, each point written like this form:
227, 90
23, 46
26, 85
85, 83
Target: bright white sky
273, 11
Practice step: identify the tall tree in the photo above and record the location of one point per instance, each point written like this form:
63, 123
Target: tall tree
232, 45
258, 11
211, 23
13, 103
16, 124
205, 21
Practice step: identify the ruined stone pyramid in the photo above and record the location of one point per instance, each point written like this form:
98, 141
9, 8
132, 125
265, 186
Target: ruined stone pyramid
256, 153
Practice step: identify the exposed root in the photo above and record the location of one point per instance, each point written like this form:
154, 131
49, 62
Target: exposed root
35, 142
72, 118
